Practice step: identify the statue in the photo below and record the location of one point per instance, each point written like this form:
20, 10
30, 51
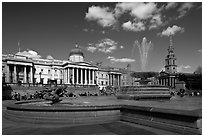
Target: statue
54, 95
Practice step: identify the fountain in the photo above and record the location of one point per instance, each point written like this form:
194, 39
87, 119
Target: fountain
144, 91
58, 109
144, 48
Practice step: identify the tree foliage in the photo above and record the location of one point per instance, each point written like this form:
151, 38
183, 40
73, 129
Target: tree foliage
144, 75
198, 70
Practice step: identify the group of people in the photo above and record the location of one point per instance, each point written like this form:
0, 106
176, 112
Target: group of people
37, 95
108, 90
183, 92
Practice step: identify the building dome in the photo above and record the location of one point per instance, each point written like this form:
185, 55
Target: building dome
76, 51
76, 54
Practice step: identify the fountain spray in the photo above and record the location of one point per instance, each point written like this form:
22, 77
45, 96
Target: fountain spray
144, 48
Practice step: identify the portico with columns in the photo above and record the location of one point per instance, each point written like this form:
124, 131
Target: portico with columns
114, 78
77, 71
80, 74
19, 71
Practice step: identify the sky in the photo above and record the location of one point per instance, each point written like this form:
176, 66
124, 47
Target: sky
115, 34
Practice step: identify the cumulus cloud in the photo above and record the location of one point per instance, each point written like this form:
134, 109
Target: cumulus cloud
104, 45
182, 67
91, 49
49, 57
144, 10
143, 15
135, 26
139, 10
103, 15
123, 60
29, 53
185, 7
171, 31
171, 5
121, 46
88, 30
155, 21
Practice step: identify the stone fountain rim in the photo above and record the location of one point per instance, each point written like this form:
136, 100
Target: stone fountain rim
16, 107
56, 108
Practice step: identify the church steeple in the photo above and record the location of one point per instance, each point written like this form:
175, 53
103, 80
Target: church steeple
170, 61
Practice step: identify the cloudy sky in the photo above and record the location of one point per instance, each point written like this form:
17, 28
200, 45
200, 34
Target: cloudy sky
111, 33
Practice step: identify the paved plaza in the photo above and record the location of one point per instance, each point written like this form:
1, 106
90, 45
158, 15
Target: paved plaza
113, 128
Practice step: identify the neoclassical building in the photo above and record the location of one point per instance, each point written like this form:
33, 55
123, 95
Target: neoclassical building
20, 68
77, 71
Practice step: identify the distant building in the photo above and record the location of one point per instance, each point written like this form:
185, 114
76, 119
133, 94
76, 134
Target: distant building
169, 75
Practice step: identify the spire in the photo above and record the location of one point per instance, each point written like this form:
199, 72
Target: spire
19, 49
171, 49
171, 44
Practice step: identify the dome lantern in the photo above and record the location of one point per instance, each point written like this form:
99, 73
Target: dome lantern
76, 54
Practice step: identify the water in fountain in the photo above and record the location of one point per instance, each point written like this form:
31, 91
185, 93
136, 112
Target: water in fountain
144, 48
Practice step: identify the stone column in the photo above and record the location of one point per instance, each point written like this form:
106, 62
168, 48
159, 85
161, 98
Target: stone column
169, 81
112, 80
81, 76
65, 75
173, 81
68, 76
14, 72
31, 74
85, 77
164, 81
109, 79
92, 77
72, 75
25, 74
77, 76
7, 74
89, 76
96, 74
118, 80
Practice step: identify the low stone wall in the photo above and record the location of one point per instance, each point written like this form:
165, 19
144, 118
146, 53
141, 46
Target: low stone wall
63, 115
144, 92
180, 121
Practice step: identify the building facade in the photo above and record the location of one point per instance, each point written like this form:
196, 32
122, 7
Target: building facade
74, 71
169, 76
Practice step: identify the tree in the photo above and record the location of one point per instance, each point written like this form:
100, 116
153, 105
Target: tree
144, 76
198, 70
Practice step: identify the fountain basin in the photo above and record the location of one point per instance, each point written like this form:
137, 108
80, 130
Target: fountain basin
69, 114
183, 121
144, 92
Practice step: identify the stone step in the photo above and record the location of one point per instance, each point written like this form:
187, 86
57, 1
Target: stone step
145, 92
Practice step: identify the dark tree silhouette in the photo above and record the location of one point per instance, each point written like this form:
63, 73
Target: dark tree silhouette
144, 76
198, 70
